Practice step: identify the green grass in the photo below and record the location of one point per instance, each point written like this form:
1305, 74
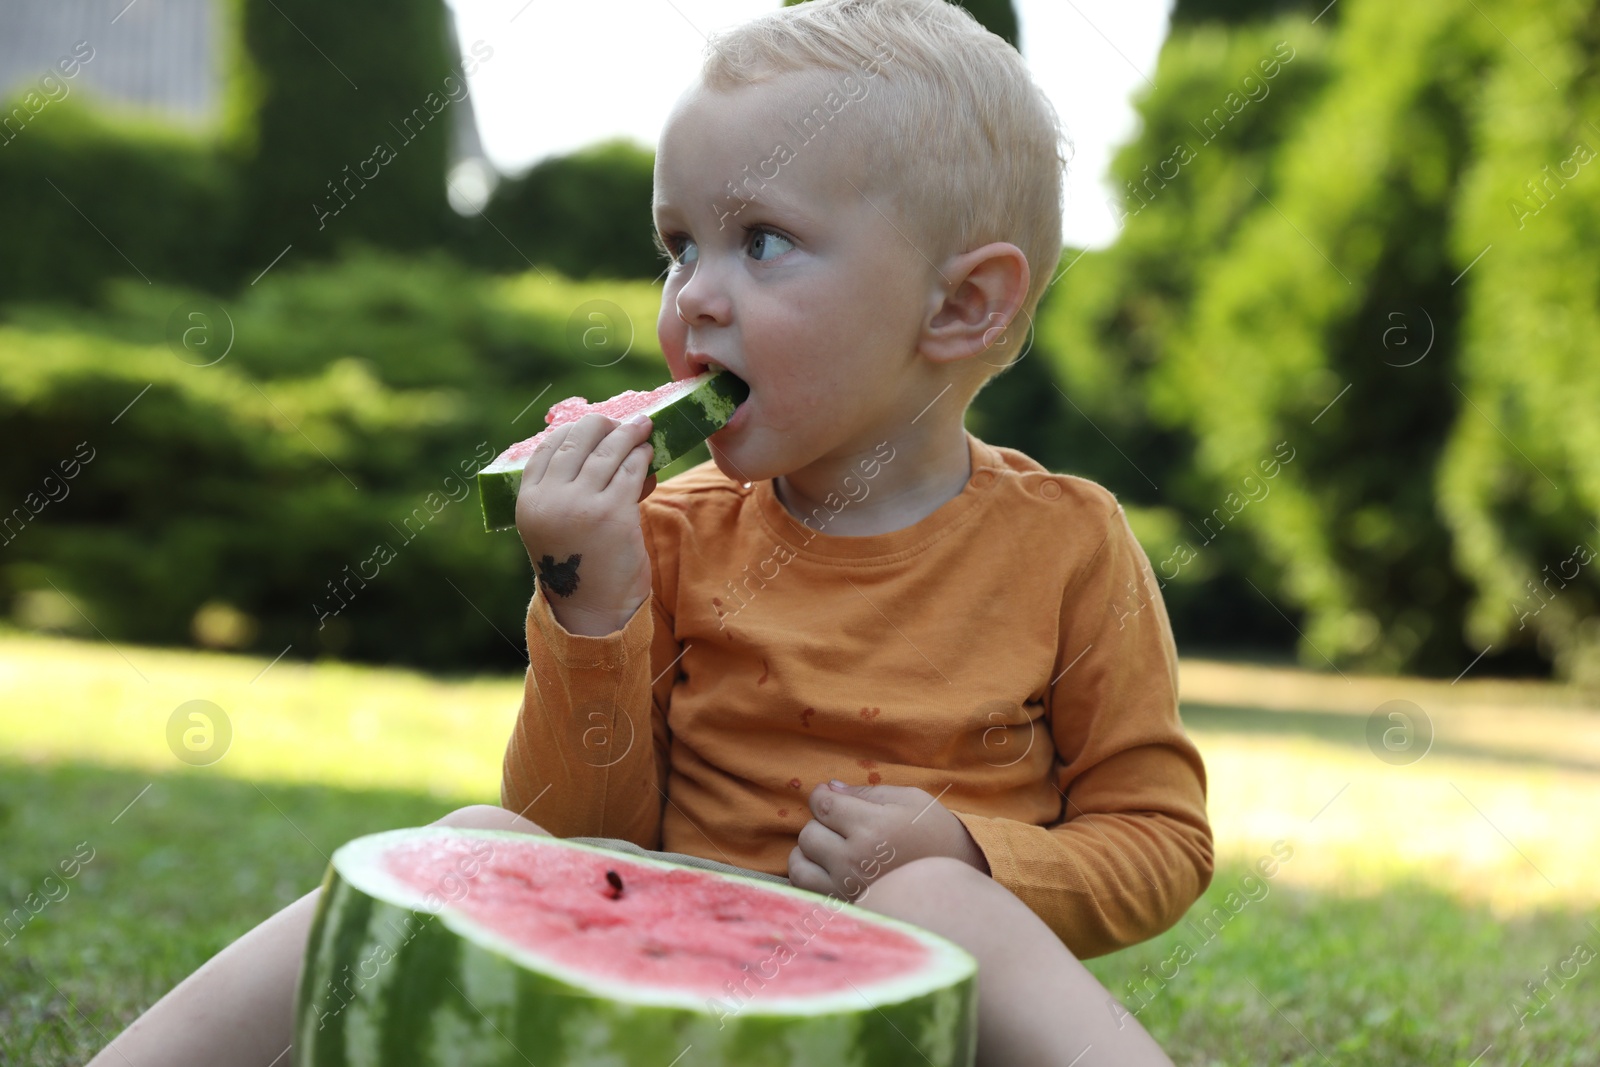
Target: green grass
195, 863
1418, 902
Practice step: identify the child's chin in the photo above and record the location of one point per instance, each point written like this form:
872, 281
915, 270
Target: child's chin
738, 471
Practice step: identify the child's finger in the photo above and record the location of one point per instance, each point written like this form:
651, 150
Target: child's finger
885, 794
845, 818
572, 452
633, 469
807, 874
859, 808
821, 843
621, 456
539, 461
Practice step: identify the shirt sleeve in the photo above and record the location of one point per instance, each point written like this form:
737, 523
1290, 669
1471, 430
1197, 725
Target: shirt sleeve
588, 754
1133, 847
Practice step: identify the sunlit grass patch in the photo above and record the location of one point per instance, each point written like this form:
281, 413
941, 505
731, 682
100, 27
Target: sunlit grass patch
1490, 801
1411, 921
329, 723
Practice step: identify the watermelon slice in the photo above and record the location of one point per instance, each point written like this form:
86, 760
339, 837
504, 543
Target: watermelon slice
682, 414
441, 946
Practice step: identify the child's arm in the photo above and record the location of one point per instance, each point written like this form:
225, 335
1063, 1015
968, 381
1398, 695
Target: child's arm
1133, 849
588, 752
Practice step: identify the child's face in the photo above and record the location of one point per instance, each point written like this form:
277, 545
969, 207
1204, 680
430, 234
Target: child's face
810, 295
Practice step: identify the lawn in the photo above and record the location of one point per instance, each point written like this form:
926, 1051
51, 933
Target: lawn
1434, 910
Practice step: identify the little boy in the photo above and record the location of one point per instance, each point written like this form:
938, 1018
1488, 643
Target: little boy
859, 199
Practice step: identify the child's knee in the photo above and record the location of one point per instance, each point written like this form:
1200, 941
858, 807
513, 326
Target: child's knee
929, 882
489, 817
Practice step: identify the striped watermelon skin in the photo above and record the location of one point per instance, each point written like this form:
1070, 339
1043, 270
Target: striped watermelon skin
692, 414
385, 984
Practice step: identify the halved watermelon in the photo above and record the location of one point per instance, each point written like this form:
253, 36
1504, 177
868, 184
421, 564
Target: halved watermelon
440, 946
682, 414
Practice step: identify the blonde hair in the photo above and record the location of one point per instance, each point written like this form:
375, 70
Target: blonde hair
960, 133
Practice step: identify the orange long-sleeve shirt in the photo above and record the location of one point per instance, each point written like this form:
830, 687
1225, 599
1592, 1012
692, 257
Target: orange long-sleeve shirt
1010, 654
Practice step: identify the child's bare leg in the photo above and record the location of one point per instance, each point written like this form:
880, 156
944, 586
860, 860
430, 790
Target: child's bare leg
1038, 1006
238, 1008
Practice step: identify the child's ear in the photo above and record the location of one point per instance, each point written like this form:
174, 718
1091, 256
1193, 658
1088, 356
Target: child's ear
976, 296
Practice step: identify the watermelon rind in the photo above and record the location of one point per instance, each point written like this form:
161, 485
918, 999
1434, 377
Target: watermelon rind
395, 977
685, 418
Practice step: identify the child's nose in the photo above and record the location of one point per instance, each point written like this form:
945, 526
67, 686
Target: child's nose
703, 299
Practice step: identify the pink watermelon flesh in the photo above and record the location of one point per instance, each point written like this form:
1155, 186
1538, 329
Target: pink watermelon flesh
683, 929
574, 408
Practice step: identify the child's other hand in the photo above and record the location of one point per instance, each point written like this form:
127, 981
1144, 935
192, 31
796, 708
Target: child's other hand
578, 515
861, 831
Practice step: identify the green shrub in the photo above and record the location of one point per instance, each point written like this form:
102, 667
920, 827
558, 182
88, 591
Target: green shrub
93, 194
316, 88
315, 479
586, 214
1518, 480
1185, 13
1297, 283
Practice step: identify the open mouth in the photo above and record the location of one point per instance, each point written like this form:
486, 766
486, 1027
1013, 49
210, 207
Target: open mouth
699, 365
744, 401
741, 389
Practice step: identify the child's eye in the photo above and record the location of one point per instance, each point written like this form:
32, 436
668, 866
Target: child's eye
676, 248
671, 248
765, 240
765, 245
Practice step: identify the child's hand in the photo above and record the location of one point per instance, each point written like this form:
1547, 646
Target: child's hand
578, 514
861, 831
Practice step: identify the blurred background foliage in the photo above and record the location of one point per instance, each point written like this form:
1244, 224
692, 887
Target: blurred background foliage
1299, 265
311, 486
1339, 365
